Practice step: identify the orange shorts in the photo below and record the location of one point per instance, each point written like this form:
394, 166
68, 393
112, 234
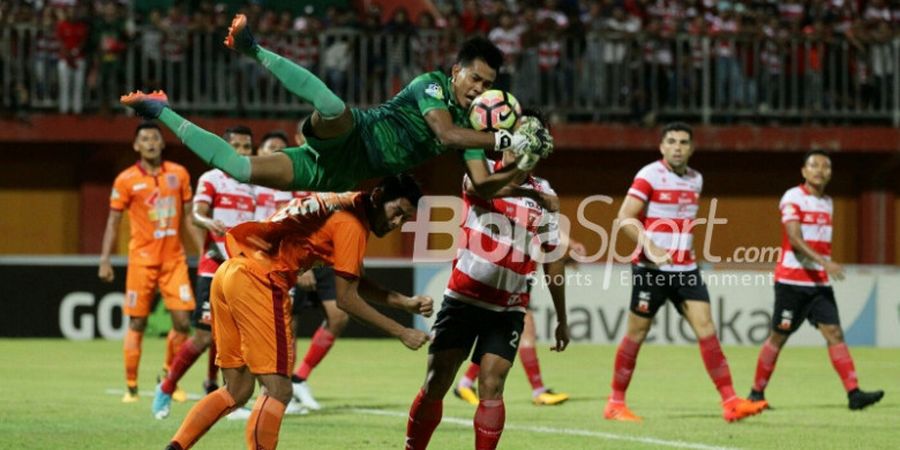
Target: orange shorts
172, 280
251, 319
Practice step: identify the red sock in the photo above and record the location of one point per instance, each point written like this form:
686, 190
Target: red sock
843, 364
529, 358
489, 419
183, 361
765, 365
174, 341
212, 370
471, 375
626, 358
424, 416
321, 343
717, 366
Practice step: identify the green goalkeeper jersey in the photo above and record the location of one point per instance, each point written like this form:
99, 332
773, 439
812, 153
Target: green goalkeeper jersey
396, 135
388, 139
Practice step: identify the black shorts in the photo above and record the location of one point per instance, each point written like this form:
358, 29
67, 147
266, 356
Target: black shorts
324, 292
650, 288
202, 318
459, 325
795, 303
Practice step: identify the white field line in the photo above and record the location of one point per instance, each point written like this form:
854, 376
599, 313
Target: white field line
509, 426
562, 431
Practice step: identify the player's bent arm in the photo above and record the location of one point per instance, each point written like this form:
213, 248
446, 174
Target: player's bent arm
348, 299
452, 136
373, 292
487, 184
629, 222
109, 238
798, 245
547, 201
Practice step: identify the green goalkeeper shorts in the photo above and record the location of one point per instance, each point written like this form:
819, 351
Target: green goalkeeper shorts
329, 165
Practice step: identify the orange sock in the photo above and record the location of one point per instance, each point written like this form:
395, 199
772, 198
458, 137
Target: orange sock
264, 423
202, 416
132, 351
173, 343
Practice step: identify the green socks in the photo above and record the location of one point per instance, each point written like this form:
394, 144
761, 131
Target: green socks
210, 148
302, 83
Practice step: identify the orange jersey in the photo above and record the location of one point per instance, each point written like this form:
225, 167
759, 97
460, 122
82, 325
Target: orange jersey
322, 228
155, 205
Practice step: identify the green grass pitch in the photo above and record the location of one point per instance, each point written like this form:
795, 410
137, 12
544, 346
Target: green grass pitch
56, 394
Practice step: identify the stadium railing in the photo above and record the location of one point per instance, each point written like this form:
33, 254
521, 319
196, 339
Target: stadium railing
598, 76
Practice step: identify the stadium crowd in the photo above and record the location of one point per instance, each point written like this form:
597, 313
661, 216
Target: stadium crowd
759, 55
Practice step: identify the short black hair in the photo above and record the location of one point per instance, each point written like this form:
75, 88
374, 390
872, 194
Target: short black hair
480, 48
401, 185
275, 134
815, 152
147, 125
237, 129
676, 126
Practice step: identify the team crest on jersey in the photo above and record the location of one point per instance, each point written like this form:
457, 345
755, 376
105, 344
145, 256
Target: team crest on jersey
172, 180
435, 90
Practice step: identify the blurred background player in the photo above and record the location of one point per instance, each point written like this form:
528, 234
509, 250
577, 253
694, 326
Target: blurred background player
802, 286
485, 302
250, 305
540, 394
220, 203
345, 146
658, 214
155, 193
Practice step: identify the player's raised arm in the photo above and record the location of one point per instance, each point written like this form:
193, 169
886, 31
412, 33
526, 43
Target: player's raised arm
349, 299
109, 238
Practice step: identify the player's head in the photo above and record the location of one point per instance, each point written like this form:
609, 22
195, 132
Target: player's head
393, 203
273, 141
241, 138
475, 70
816, 168
676, 144
148, 140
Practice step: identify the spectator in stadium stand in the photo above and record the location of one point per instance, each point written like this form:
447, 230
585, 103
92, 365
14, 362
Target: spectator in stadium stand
883, 63
175, 45
109, 39
73, 32
46, 55
472, 20
507, 36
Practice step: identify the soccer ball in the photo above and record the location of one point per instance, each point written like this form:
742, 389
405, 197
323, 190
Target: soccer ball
494, 110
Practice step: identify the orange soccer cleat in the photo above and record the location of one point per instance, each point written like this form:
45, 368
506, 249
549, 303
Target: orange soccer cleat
239, 37
148, 106
739, 408
618, 411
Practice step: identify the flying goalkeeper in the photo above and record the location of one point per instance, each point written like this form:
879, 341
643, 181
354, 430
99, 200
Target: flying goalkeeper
347, 145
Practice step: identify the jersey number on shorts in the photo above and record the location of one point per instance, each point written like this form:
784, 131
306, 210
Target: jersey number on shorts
514, 342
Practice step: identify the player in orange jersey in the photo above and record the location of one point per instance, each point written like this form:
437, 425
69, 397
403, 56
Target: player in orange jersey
155, 193
251, 307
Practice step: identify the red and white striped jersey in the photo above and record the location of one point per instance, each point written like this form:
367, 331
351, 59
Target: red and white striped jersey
232, 203
494, 264
268, 201
814, 214
671, 204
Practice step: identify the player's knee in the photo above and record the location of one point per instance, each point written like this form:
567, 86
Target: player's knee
182, 326
240, 392
280, 391
138, 324
490, 387
202, 339
833, 334
337, 322
778, 339
438, 382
